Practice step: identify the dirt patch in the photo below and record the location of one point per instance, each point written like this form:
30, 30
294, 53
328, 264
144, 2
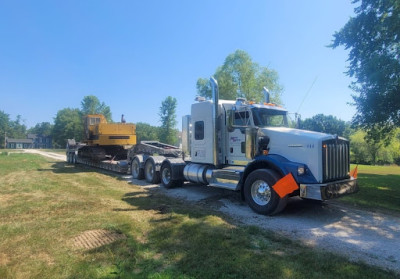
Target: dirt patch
4, 198
4, 260
95, 238
44, 257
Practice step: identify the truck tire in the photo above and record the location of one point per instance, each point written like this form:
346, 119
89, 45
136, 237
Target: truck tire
150, 173
166, 177
137, 172
260, 195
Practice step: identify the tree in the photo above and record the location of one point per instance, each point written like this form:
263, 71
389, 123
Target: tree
367, 151
17, 129
10, 128
326, 124
92, 105
168, 133
4, 126
145, 131
374, 42
239, 76
68, 124
43, 129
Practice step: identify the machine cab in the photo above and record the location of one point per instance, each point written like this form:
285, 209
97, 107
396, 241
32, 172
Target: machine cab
90, 123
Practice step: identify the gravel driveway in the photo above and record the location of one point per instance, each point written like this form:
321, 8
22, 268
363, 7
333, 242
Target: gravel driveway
359, 235
52, 155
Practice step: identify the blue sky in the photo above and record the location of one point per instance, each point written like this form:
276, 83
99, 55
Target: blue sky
133, 54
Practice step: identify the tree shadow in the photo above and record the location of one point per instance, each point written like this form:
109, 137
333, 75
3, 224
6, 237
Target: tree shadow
196, 242
378, 192
65, 168
327, 225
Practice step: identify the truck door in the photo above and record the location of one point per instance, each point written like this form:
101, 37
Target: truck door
236, 147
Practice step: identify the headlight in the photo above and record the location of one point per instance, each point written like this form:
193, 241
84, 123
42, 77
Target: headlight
301, 170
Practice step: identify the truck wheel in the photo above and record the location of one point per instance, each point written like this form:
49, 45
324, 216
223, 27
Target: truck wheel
166, 177
259, 193
150, 173
137, 172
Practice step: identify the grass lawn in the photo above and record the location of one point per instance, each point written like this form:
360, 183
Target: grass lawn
45, 205
379, 188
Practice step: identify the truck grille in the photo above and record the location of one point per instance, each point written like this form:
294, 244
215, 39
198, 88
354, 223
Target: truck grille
336, 159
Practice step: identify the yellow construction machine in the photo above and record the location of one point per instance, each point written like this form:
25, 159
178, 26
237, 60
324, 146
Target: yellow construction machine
103, 140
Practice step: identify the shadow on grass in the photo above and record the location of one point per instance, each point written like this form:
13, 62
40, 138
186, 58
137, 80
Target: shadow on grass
193, 242
377, 192
65, 168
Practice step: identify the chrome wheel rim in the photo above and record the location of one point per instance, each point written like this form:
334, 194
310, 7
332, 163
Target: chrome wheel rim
135, 168
149, 171
166, 176
261, 192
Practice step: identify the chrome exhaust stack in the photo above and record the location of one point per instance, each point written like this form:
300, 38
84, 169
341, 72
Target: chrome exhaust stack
266, 94
215, 98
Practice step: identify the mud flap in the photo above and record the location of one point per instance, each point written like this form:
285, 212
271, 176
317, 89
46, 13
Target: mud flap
285, 186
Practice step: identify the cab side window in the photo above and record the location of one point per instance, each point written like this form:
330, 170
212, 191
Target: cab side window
242, 118
199, 130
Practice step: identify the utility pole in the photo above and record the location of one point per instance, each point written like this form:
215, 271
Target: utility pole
5, 139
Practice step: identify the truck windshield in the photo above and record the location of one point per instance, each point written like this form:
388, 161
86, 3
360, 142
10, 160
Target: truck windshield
264, 117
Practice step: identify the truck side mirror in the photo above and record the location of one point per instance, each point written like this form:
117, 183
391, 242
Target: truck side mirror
231, 117
251, 142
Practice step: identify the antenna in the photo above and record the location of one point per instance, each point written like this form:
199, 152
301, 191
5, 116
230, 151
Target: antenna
305, 96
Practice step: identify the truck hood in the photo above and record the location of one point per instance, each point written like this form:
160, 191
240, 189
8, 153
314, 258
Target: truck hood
297, 146
297, 134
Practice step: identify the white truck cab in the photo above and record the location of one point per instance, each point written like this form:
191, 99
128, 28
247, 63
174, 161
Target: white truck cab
249, 147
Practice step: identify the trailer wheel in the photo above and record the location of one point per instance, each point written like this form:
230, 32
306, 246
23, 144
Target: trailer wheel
259, 193
150, 173
137, 172
166, 177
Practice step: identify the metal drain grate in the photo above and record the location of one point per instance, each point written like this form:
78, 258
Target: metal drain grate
95, 238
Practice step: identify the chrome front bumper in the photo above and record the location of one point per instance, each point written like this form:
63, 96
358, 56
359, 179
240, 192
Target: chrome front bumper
329, 190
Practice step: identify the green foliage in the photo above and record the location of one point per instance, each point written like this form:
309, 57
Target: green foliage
145, 131
44, 129
168, 133
239, 76
374, 42
326, 124
17, 129
92, 105
367, 151
68, 124
14, 129
4, 126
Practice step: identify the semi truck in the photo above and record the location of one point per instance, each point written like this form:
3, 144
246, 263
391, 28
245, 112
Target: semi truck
248, 147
